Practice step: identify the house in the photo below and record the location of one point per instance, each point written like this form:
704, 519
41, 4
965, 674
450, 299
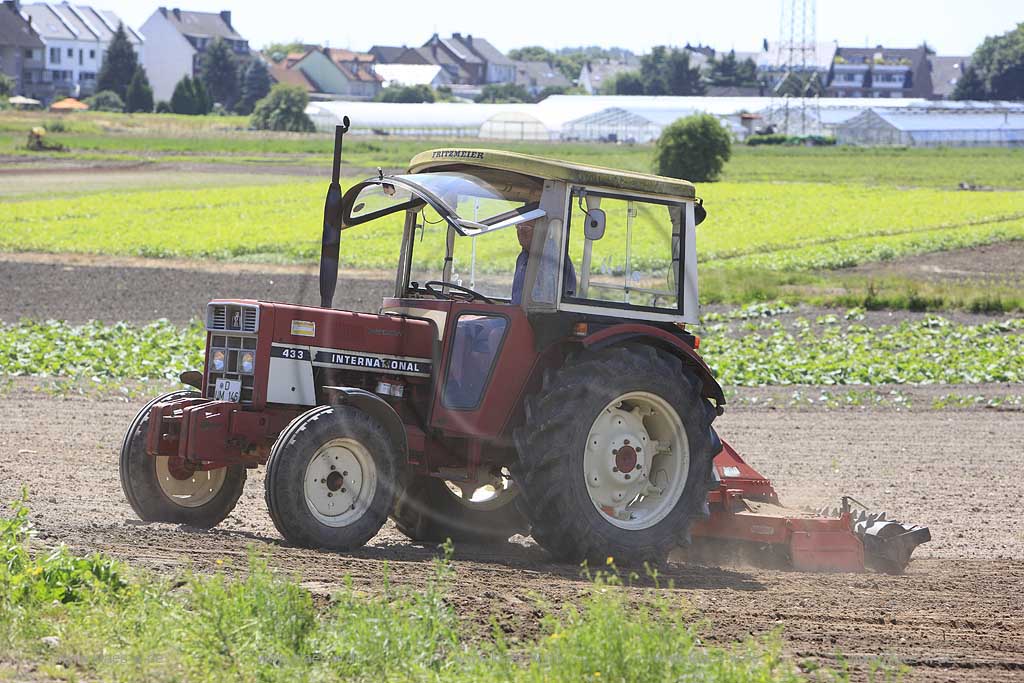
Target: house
76, 39
21, 52
536, 76
328, 73
946, 71
497, 67
880, 72
596, 74
387, 54
176, 41
468, 60
430, 75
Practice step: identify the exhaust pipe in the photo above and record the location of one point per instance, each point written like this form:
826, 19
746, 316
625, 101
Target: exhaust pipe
331, 240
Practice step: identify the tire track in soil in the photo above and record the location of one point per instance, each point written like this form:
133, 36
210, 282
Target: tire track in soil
954, 616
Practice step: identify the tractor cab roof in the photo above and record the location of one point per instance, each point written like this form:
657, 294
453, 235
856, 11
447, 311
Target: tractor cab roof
549, 169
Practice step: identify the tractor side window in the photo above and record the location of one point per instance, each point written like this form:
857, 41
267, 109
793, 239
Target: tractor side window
634, 263
475, 347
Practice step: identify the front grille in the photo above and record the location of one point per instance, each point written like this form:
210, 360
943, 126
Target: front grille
232, 318
233, 347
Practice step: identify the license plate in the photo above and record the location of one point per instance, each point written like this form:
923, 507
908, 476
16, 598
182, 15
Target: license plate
228, 390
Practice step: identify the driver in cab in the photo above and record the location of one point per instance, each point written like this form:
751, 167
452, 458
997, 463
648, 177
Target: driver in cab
524, 231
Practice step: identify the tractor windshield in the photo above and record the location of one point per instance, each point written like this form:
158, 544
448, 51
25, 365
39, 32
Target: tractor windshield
483, 256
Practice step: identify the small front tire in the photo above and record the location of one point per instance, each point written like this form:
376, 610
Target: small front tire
331, 479
165, 489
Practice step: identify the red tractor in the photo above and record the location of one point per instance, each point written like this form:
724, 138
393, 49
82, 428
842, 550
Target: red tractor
533, 373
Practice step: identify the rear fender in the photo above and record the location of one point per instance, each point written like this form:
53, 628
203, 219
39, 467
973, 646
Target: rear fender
376, 407
617, 335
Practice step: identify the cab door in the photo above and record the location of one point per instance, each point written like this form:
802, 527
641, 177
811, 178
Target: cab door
487, 358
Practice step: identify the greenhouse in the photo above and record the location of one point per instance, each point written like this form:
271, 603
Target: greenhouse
930, 128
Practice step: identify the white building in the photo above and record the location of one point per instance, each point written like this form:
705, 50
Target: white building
413, 74
176, 40
76, 37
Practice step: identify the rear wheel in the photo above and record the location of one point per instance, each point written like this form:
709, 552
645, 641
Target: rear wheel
615, 456
331, 478
168, 489
483, 511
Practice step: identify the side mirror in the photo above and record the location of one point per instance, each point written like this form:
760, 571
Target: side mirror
593, 229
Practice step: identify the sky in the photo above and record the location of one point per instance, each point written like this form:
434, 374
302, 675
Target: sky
952, 28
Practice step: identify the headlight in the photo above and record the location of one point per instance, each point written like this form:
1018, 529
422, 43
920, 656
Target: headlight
246, 362
218, 361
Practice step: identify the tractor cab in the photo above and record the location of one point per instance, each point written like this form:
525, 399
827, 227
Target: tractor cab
509, 256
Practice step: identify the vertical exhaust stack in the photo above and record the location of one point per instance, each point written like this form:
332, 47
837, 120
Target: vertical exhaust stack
330, 243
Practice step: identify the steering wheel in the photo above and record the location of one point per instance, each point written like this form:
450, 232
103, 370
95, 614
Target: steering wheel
461, 293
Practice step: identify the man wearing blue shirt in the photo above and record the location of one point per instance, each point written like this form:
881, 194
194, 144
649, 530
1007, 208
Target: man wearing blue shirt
524, 231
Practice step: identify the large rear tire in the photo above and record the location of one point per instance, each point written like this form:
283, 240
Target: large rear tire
431, 510
164, 489
331, 479
615, 456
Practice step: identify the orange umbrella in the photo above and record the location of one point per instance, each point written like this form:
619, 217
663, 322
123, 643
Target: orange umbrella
68, 104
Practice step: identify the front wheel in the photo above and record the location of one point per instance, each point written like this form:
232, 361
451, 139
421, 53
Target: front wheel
615, 456
331, 478
167, 489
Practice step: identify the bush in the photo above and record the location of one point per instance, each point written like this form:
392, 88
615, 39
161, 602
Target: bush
694, 148
190, 97
283, 109
781, 139
105, 100
6, 85
164, 107
139, 95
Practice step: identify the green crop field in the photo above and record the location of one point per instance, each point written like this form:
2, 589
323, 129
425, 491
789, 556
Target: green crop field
826, 351
796, 226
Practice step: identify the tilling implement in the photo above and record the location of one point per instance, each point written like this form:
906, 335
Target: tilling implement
533, 373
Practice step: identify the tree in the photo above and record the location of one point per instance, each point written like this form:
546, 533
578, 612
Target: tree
6, 85
255, 86
278, 51
283, 109
998, 64
219, 73
667, 71
119, 65
504, 92
969, 86
694, 148
105, 100
164, 107
654, 71
629, 83
729, 71
681, 77
189, 97
140, 95
406, 93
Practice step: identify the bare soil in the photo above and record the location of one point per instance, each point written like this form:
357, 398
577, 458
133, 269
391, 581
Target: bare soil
1001, 263
954, 616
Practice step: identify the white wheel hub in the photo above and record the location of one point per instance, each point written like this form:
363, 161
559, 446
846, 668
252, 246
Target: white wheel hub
340, 482
636, 461
189, 490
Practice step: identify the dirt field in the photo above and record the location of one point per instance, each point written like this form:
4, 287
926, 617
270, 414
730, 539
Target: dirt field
955, 616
